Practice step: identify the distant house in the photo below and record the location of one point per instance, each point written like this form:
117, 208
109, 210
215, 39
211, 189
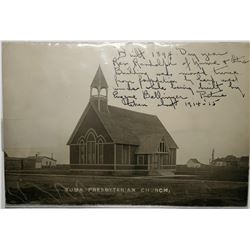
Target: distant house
219, 162
228, 161
108, 135
32, 162
39, 162
194, 163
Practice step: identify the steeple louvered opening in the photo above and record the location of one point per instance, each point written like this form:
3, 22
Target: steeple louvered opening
99, 91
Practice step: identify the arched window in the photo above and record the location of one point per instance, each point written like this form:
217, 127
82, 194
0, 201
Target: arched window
91, 148
162, 147
94, 92
103, 92
82, 151
100, 151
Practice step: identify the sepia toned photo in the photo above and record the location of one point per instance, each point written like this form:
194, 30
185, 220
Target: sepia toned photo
126, 124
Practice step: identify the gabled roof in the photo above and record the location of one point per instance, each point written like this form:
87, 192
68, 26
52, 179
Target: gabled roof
149, 143
130, 127
194, 160
39, 158
99, 80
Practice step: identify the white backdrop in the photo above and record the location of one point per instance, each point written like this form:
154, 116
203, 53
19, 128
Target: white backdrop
124, 228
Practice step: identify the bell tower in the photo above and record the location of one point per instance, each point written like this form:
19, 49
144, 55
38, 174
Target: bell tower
99, 91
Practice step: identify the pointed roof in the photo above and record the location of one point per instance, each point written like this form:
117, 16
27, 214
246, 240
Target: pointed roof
194, 160
130, 127
99, 80
127, 126
39, 158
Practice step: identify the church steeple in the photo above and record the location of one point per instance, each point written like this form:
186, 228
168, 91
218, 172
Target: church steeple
99, 91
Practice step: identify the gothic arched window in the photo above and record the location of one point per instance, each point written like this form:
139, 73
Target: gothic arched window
94, 92
82, 151
100, 151
103, 92
91, 148
162, 147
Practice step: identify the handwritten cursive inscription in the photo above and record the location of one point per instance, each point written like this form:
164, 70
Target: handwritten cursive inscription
176, 77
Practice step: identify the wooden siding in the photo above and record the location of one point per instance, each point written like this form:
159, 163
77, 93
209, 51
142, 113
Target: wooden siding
108, 154
172, 156
74, 154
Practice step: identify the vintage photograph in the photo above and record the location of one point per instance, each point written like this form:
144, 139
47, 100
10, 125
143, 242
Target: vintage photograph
126, 124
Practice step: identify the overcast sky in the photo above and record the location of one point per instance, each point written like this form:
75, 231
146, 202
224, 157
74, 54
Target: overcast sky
46, 89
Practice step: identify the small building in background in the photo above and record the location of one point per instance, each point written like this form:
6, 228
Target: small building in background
31, 162
219, 162
194, 163
39, 162
228, 161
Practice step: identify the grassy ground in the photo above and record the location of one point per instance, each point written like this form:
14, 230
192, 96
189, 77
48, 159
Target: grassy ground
83, 190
